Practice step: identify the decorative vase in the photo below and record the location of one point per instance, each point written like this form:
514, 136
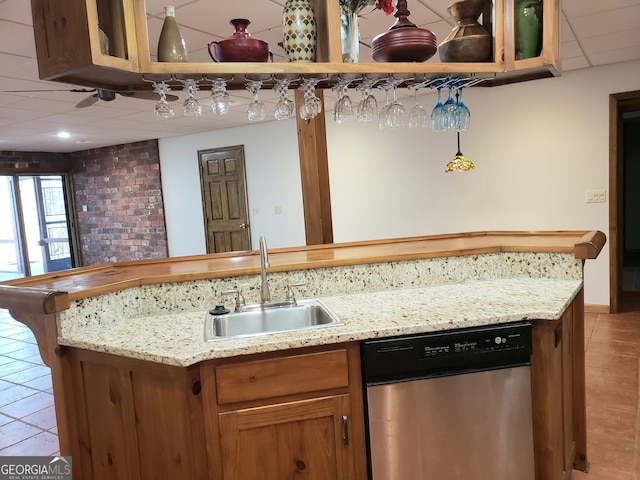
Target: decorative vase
468, 41
299, 33
240, 47
171, 46
350, 37
404, 41
528, 27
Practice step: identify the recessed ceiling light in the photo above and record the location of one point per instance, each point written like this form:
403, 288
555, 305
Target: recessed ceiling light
63, 134
82, 141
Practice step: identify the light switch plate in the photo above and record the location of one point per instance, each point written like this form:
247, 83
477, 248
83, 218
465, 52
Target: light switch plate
596, 196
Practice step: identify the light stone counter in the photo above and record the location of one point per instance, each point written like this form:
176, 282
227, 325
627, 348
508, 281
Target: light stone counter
178, 338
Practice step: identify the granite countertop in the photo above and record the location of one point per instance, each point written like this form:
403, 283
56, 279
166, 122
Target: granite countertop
178, 339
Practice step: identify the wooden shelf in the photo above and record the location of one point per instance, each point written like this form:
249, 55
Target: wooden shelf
68, 47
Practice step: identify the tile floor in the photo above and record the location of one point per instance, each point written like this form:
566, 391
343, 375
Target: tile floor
27, 421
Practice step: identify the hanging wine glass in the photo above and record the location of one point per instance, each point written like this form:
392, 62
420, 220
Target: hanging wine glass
396, 114
368, 106
418, 117
256, 111
220, 101
312, 105
438, 123
162, 109
191, 107
463, 116
343, 109
448, 111
285, 106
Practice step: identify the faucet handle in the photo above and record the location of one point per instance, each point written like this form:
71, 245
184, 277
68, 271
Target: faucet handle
239, 297
290, 295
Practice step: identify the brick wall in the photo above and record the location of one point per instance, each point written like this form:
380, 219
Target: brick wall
34, 163
120, 189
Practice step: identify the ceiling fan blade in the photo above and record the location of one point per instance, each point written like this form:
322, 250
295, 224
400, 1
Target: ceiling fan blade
87, 102
148, 95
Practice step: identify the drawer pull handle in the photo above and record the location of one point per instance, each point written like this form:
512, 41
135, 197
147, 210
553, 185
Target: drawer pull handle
345, 430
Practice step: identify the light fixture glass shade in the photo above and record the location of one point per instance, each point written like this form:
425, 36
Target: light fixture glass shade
459, 162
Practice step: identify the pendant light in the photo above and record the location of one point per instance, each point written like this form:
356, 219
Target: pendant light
459, 162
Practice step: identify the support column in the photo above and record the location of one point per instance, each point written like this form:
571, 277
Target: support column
314, 172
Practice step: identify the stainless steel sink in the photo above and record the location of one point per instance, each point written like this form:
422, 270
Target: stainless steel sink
271, 318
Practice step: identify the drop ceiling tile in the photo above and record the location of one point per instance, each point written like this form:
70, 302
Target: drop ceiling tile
566, 32
581, 8
612, 41
614, 56
608, 22
18, 11
18, 37
571, 50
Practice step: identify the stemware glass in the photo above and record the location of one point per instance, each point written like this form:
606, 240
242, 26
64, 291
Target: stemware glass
396, 114
463, 116
220, 101
449, 120
162, 109
256, 111
367, 107
437, 115
312, 105
285, 106
343, 109
191, 107
383, 121
418, 117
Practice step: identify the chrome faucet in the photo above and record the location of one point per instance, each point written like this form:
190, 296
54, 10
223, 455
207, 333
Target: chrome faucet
265, 294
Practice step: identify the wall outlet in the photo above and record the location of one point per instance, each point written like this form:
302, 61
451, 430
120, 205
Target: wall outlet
596, 196
255, 211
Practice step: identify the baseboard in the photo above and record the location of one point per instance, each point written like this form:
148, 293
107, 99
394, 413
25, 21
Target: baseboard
597, 309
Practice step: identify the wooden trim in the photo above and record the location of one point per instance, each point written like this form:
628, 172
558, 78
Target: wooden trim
597, 309
618, 104
91, 281
579, 410
590, 245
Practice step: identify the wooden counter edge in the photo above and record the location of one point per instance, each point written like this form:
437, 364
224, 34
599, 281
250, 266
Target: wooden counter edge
590, 245
122, 275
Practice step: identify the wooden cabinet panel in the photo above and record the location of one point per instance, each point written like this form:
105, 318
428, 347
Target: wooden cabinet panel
557, 384
109, 402
136, 420
303, 439
275, 377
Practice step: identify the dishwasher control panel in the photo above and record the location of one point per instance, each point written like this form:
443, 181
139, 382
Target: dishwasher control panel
446, 353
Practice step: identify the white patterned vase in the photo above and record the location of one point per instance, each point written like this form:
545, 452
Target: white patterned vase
299, 32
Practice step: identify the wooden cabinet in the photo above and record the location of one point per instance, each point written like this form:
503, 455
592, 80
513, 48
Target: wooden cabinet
68, 46
287, 416
131, 420
274, 416
558, 394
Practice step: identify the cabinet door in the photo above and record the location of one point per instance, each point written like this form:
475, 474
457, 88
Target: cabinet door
303, 439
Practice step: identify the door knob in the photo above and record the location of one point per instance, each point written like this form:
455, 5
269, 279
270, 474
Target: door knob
243, 225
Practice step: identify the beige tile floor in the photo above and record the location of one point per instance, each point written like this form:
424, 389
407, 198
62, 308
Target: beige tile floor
28, 427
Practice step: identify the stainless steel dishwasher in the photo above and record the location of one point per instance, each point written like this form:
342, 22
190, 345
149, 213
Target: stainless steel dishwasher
452, 405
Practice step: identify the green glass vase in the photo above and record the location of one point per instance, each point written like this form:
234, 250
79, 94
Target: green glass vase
528, 28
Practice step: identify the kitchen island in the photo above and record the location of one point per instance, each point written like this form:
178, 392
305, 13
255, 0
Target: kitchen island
140, 394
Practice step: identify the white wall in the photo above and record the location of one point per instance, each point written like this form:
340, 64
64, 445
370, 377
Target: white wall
537, 147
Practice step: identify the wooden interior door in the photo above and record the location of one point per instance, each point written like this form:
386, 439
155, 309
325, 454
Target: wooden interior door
224, 199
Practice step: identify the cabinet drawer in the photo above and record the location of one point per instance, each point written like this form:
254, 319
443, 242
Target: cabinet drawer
277, 377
